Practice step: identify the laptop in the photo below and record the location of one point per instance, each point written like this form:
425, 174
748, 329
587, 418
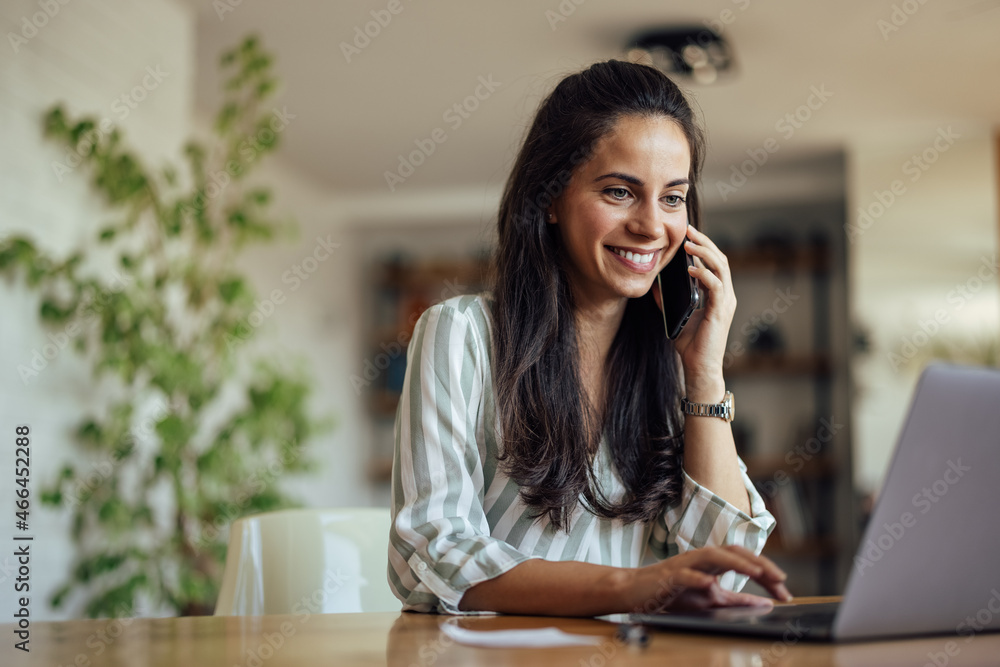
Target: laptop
929, 561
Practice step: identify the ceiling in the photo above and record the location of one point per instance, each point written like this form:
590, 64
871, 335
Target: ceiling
354, 119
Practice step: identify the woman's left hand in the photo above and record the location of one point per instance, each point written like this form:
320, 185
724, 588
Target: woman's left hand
702, 343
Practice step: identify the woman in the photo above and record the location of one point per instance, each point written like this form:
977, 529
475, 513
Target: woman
542, 462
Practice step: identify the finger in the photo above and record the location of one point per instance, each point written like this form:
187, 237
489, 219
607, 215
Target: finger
715, 596
691, 589
746, 600
780, 592
689, 331
719, 560
689, 577
775, 588
702, 245
771, 577
700, 237
716, 560
719, 295
710, 257
679, 586
771, 570
700, 240
710, 280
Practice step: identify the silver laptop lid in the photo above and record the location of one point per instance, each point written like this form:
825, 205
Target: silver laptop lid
930, 557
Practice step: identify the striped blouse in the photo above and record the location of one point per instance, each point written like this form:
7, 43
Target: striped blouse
458, 520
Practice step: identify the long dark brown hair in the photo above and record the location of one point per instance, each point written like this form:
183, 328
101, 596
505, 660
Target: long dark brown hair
548, 441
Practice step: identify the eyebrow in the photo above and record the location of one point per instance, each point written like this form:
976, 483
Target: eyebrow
635, 181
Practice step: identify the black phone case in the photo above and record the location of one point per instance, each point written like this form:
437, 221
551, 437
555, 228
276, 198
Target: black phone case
680, 312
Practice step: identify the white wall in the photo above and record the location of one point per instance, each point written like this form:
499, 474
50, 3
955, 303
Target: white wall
88, 54
910, 262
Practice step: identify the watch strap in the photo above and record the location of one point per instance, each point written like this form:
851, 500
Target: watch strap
721, 410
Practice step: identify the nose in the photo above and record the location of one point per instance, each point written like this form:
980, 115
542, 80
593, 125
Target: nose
648, 221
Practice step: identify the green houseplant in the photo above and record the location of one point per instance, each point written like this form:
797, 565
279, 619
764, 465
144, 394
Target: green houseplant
193, 432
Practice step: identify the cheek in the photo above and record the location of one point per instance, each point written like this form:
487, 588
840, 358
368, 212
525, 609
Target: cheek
679, 221
677, 230
677, 235
593, 224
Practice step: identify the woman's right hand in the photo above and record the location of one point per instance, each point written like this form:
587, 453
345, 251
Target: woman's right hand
688, 581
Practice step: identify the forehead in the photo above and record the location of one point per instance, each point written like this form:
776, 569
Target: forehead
651, 145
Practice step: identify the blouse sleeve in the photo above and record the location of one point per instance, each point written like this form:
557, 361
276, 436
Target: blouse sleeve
439, 541
702, 518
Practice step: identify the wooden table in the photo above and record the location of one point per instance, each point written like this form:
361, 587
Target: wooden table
406, 640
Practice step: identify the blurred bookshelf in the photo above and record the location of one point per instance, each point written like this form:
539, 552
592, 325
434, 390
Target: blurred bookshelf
817, 364
401, 288
787, 365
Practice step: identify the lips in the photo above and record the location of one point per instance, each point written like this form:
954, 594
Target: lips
634, 259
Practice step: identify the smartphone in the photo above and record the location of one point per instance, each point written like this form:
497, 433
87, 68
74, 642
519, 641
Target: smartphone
679, 292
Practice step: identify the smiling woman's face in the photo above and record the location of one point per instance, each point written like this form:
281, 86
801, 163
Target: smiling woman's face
628, 198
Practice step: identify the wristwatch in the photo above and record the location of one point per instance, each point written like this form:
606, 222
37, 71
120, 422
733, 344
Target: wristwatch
724, 410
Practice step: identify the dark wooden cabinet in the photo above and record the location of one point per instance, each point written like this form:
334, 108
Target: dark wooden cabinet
402, 288
787, 364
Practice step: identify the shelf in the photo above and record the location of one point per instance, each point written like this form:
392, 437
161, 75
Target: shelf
387, 335
380, 469
815, 259
811, 548
780, 365
766, 467
383, 403
431, 274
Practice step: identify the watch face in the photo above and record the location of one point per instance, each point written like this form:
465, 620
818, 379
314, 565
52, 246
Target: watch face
732, 405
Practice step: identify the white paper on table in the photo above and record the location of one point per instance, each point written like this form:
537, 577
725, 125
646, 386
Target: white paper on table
535, 638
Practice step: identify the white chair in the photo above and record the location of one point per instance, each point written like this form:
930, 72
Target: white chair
307, 561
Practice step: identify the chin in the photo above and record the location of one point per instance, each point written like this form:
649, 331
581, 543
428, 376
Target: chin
636, 292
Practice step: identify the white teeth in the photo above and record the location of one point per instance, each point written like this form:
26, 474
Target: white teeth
635, 257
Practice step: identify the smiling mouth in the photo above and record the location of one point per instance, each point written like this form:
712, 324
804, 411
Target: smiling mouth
636, 258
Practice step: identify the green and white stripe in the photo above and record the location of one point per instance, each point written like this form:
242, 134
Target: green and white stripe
458, 520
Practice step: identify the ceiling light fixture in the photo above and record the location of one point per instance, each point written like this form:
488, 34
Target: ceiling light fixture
696, 52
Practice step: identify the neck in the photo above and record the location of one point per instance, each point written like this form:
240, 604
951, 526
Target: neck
597, 323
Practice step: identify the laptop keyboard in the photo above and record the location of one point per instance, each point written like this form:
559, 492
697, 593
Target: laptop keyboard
814, 621
808, 614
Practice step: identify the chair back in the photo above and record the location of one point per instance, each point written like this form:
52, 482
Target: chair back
307, 561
